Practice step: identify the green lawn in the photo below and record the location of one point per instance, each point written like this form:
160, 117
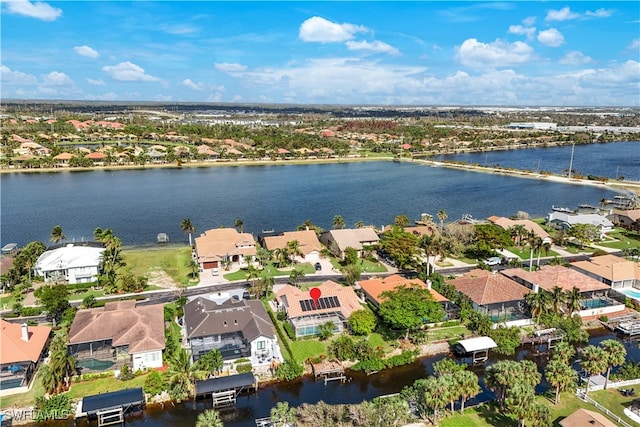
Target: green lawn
268, 270
104, 385
304, 349
172, 260
451, 332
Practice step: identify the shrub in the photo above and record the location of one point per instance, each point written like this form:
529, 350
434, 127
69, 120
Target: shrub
30, 311
603, 318
289, 370
362, 322
93, 376
125, 373
89, 301
281, 316
243, 368
154, 383
57, 406
289, 330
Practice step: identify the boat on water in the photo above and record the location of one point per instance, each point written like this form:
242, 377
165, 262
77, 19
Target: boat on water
425, 219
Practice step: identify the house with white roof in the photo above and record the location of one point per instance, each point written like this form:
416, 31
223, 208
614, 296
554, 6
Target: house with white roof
561, 219
73, 263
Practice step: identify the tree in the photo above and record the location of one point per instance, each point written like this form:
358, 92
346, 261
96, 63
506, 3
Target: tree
194, 266
616, 354
239, 224
502, 375
584, 233
182, 374
436, 395
538, 303
338, 222
54, 299
57, 235
351, 273
402, 221
544, 246
535, 242
209, 418
560, 375
282, 414
409, 307
540, 416
326, 330
572, 299
362, 322
401, 246
295, 275
564, 351
557, 298
188, 228
294, 250
62, 365
468, 387
520, 402
210, 362
432, 246
442, 216
594, 362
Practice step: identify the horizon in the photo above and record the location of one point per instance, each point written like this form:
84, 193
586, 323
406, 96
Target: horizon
354, 53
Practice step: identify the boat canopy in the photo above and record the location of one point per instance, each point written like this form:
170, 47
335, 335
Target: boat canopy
477, 344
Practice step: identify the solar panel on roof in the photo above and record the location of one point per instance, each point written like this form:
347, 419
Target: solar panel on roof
323, 303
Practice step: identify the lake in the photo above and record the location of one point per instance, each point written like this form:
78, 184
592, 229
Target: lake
139, 204
612, 160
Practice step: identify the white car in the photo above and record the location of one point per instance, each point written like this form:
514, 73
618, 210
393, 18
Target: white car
214, 271
492, 261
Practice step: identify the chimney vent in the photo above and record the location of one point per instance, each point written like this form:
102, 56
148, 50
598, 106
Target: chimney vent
25, 333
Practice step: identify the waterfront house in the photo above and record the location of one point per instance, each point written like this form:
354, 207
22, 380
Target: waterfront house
237, 328
530, 226
308, 244
23, 347
612, 270
305, 315
73, 263
63, 159
373, 288
562, 220
357, 238
220, 246
121, 332
595, 300
627, 219
497, 296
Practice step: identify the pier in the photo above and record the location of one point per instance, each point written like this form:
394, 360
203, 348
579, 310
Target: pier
628, 324
328, 371
225, 390
110, 408
543, 337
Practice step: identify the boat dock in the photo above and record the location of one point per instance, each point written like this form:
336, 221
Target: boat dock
543, 340
224, 391
628, 324
328, 371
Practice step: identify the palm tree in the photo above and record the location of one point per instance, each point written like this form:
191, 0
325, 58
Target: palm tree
560, 375
520, 401
435, 396
564, 351
432, 246
544, 246
263, 255
57, 235
359, 224
535, 243
616, 355
239, 224
468, 387
442, 216
338, 222
594, 362
294, 250
209, 418
182, 373
538, 303
282, 414
187, 227
557, 297
194, 266
572, 299
517, 232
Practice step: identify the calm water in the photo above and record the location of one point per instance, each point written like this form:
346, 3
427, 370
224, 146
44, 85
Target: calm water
361, 387
613, 160
139, 204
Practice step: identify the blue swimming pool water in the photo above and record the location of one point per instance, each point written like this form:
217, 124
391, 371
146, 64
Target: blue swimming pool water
631, 293
596, 303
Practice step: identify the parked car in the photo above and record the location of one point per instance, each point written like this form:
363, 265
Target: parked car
494, 260
318, 266
214, 271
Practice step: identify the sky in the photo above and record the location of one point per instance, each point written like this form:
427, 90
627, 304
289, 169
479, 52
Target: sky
438, 53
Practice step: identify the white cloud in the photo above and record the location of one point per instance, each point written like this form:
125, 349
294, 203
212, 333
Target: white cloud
95, 82
634, 45
128, 72
38, 10
56, 78
575, 57
230, 67
317, 29
7, 75
563, 14
529, 21
600, 13
529, 32
192, 85
86, 51
551, 37
476, 54
180, 30
375, 46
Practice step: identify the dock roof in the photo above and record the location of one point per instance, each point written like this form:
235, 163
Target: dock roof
112, 400
231, 382
476, 344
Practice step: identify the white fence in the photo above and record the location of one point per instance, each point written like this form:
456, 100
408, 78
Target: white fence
611, 384
605, 410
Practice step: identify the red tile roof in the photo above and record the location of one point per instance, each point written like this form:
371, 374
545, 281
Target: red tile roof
376, 286
486, 287
556, 275
348, 299
14, 349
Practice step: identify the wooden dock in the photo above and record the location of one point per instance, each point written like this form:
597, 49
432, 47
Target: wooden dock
628, 324
328, 370
543, 340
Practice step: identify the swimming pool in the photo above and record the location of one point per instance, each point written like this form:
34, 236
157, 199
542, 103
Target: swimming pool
630, 292
597, 303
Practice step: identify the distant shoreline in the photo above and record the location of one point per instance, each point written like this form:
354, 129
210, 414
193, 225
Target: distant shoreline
619, 186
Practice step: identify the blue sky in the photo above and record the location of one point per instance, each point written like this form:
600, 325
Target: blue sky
303, 52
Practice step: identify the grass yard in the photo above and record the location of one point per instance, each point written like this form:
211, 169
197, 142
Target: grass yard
104, 385
451, 332
172, 260
304, 349
268, 270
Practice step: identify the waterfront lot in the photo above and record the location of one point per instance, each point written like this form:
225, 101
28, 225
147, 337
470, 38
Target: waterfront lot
174, 261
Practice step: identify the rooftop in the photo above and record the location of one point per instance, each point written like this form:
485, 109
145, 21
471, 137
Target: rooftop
550, 276
15, 349
376, 286
486, 287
